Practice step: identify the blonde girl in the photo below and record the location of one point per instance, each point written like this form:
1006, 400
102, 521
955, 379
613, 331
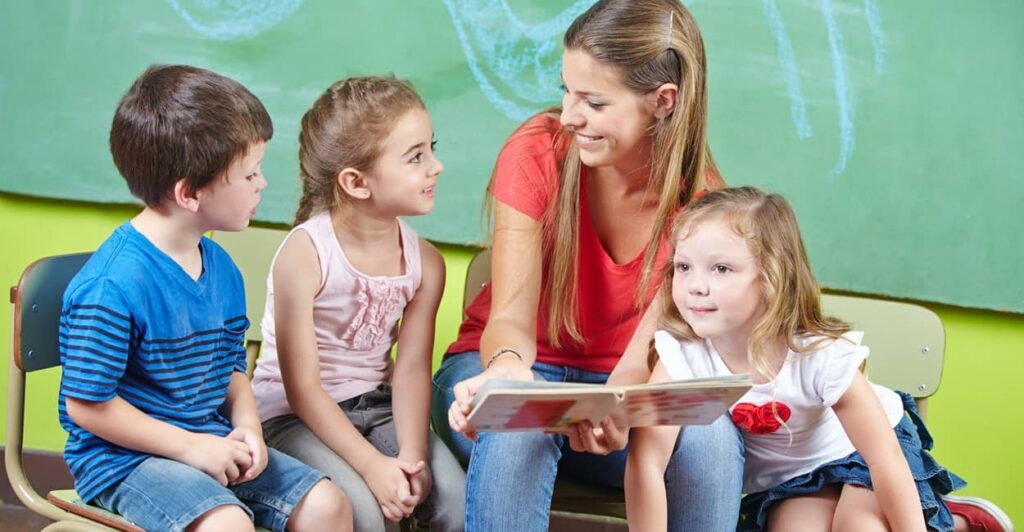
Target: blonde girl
825, 449
349, 271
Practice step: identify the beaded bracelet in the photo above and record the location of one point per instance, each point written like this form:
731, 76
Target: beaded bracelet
500, 352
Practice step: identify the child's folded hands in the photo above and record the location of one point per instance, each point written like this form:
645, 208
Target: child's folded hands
222, 458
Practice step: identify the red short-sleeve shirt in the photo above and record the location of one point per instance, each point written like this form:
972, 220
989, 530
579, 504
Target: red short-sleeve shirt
526, 179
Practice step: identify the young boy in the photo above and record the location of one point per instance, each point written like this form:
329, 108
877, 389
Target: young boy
162, 425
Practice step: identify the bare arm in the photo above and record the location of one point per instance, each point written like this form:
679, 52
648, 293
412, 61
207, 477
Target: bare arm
240, 405
866, 424
512, 324
515, 288
411, 390
650, 450
120, 423
240, 408
296, 282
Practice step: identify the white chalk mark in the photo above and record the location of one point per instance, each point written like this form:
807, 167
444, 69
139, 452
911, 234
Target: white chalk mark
877, 36
228, 20
787, 61
835, 41
516, 65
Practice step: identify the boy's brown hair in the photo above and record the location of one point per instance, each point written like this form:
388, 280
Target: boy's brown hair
182, 122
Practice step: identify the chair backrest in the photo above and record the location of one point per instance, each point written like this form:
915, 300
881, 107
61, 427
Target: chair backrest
478, 274
907, 341
36, 309
37, 302
253, 251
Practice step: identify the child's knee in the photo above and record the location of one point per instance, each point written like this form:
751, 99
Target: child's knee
859, 523
325, 504
227, 517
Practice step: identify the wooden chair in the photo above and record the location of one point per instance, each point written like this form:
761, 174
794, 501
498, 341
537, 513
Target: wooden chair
36, 307
907, 343
35, 313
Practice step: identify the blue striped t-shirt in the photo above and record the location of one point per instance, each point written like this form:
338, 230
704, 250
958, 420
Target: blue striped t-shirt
135, 325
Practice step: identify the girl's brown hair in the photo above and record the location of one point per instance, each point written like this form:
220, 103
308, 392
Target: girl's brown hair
791, 294
346, 128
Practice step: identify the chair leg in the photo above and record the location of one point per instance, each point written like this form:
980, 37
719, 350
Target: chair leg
13, 452
75, 526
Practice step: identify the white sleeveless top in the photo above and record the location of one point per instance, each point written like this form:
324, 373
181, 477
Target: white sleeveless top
355, 318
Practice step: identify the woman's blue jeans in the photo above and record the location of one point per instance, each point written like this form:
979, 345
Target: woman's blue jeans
511, 475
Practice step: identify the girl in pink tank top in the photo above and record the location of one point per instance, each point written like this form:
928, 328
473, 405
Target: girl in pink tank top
343, 279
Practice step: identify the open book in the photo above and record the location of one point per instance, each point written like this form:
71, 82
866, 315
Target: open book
507, 405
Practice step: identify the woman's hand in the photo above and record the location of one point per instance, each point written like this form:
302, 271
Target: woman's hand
507, 368
603, 439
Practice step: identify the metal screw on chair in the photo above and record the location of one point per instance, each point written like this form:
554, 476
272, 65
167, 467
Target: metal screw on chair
31, 353
35, 308
922, 387
924, 350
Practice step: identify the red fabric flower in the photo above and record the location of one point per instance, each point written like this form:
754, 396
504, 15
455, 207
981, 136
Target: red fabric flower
760, 419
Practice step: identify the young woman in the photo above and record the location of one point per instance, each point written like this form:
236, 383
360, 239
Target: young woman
583, 198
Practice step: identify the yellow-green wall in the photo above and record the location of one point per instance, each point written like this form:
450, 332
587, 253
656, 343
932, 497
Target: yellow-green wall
973, 417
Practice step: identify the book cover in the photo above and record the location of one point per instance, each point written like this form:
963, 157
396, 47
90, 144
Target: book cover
505, 405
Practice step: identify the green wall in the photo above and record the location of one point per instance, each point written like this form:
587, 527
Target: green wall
890, 126
975, 435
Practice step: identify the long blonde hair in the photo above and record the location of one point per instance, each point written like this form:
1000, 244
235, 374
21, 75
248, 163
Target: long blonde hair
650, 42
346, 128
792, 298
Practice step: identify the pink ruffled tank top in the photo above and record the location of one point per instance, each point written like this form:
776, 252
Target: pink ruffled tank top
355, 317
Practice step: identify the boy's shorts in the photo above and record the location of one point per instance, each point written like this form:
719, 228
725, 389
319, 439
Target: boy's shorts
162, 494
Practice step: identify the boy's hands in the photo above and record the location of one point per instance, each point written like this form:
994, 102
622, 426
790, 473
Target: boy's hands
257, 452
222, 458
389, 480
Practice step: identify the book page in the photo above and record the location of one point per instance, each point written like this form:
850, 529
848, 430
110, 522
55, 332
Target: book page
550, 408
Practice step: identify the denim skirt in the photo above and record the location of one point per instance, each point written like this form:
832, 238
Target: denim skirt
932, 480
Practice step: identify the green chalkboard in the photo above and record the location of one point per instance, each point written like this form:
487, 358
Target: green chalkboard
889, 124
